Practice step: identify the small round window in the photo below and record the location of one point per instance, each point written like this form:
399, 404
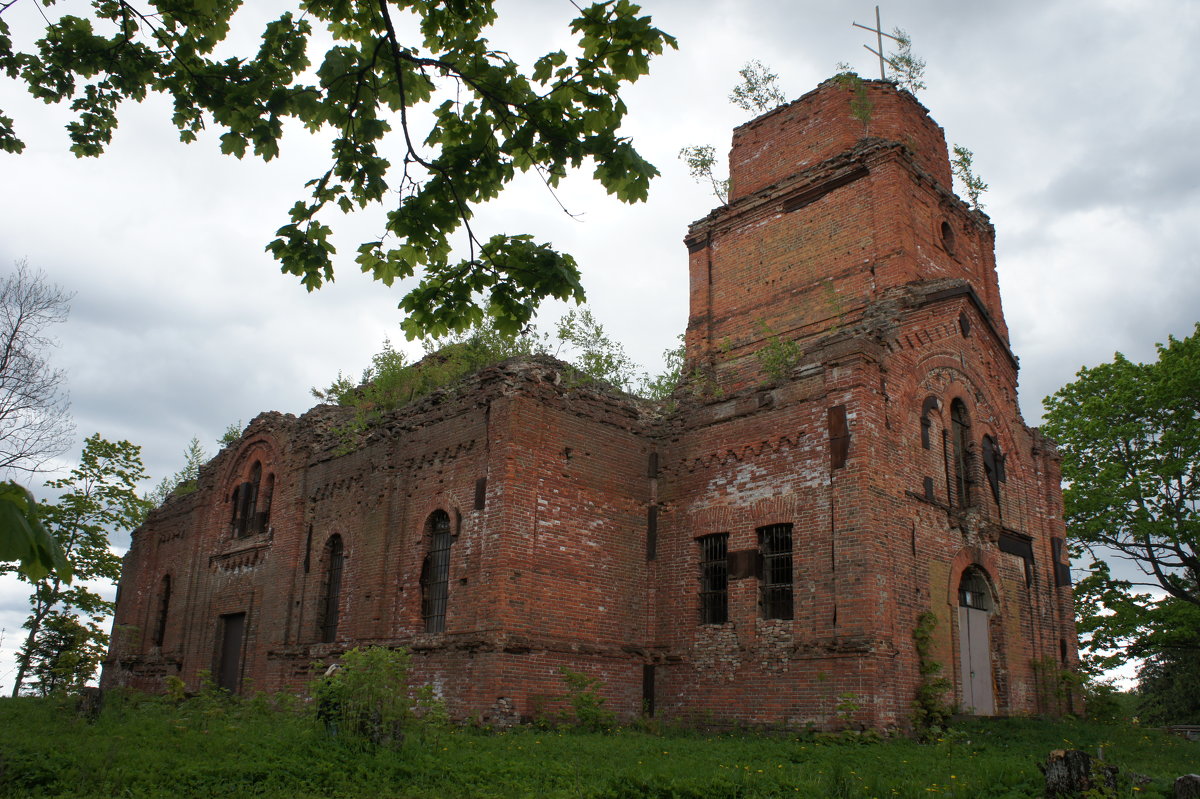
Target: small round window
947, 237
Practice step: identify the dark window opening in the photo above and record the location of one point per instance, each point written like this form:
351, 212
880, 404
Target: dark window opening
245, 502
948, 237
480, 493
960, 440
652, 532
435, 573
714, 578
993, 466
927, 485
331, 590
1020, 546
262, 519
164, 605
652, 466
648, 689
973, 590
839, 437
1062, 567
964, 324
775, 589
1062, 650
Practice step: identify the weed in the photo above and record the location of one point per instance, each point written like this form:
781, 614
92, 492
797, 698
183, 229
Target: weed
931, 712
583, 694
777, 356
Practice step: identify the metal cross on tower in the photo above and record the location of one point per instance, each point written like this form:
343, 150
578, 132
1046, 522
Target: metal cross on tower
879, 34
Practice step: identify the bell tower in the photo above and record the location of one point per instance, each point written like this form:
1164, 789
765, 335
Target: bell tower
837, 200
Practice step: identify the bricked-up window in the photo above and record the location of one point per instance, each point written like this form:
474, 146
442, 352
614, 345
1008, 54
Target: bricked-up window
993, 466
164, 606
331, 588
435, 573
775, 588
714, 578
928, 408
960, 442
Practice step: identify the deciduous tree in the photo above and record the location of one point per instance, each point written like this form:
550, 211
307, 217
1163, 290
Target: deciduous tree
1129, 436
34, 421
99, 497
433, 126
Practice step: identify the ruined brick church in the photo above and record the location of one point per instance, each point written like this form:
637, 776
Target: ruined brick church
844, 455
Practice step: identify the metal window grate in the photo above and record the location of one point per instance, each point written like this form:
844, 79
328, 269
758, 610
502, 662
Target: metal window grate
435, 574
775, 544
714, 578
334, 559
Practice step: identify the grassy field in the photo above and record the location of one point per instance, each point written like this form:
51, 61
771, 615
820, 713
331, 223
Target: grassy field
208, 747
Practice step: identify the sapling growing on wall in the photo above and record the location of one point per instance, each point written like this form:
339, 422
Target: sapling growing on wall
962, 166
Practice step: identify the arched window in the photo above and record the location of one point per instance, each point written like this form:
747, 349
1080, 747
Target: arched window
245, 501
262, 519
435, 573
993, 466
331, 588
164, 606
960, 439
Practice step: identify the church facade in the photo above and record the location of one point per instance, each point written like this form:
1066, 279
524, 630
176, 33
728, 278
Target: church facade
844, 456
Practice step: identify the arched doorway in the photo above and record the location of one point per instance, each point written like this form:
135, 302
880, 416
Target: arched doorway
974, 608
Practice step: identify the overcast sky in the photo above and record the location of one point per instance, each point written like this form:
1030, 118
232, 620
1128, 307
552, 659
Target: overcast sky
1083, 117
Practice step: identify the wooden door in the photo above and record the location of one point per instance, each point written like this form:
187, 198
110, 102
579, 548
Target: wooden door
229, 663
976, 661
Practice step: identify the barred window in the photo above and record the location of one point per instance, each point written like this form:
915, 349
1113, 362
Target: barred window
332, 588
775, 546
714, 578
435, 573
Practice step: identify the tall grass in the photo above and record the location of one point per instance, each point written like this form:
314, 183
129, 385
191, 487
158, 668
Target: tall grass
210, 746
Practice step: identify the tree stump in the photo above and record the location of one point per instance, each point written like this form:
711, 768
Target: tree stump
90, 703
1187, 787
1070, 772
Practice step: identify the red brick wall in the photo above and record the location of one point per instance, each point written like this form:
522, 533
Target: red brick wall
874, 288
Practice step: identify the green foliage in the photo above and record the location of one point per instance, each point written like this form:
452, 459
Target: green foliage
597, 357
661, 387
1129, 437
931, 712
1167, 680
861, 105
366, 698
25, 540
186, 480
142, 747
583, 694
97, 498
758, 90
231, 436
1056, 687
777, 356
489, 120
905, 69
700, 160
962, 167
391, 382
66, 653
